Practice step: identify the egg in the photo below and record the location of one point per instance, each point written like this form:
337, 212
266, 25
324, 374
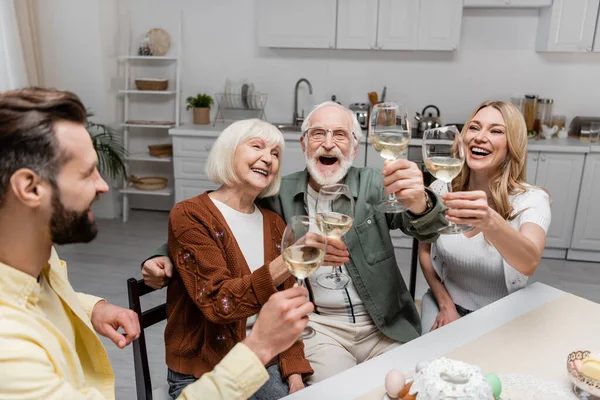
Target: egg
394, 383
495, 384
421, 365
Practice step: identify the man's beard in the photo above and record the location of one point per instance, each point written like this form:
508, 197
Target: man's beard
327, 178
67, 226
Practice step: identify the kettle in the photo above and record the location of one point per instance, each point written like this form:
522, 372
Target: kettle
361, 110
429, 121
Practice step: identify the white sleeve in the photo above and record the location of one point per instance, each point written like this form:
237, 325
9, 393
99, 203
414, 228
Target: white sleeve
535, 204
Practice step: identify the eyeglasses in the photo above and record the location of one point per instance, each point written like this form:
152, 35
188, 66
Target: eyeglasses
318, 135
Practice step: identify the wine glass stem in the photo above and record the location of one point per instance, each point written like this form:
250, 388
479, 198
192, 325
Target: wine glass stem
300, 282
449, 186
335, 272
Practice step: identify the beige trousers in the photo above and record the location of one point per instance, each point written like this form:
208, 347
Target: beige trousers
339, 345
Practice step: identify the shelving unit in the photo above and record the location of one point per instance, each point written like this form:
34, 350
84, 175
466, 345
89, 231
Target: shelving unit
131, 126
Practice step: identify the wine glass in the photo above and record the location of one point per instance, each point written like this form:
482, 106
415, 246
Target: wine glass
444, 157
303, 249
336, 219
389, 132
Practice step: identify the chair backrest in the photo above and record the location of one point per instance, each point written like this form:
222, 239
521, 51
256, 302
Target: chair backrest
136, 289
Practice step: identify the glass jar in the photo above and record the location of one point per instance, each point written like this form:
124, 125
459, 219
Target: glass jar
543, 114
529, 113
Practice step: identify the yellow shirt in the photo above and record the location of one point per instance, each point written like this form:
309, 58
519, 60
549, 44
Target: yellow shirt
41, 359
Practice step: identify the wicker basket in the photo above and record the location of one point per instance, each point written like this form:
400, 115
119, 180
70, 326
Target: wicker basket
161, 150
151, 84
149, 182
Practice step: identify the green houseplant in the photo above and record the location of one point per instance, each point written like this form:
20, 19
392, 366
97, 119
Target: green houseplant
110, 149
201, 106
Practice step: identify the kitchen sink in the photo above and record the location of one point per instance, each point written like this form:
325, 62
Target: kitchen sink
288, 128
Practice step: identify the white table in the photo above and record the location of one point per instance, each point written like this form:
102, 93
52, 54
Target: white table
369, 376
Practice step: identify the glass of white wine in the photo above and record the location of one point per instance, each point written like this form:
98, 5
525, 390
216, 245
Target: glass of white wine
303, 248
389, 133
335, 224
444, 157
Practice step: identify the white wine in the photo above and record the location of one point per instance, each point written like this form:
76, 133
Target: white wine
303, 260
334, 224
444, 168
390, 145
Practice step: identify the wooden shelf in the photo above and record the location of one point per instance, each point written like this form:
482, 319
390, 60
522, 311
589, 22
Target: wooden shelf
168, 191
133, 91
157, 58
148, 157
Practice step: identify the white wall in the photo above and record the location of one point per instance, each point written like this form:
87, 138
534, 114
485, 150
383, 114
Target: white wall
496, 59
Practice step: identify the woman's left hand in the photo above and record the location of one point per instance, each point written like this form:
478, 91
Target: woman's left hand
469, 208
295, 383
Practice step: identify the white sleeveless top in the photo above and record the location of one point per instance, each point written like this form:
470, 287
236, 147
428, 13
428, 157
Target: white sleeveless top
472, 270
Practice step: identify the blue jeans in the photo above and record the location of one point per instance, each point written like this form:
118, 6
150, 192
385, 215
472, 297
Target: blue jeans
275, 388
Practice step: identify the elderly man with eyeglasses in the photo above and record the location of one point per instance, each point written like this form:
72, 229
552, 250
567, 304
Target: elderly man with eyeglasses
374, 312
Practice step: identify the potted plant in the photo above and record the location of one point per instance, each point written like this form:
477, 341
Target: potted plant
201, 105
109, 147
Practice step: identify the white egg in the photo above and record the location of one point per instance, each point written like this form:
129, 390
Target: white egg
394, 383
421, 365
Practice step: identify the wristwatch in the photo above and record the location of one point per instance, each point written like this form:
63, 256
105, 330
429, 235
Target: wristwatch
428, 205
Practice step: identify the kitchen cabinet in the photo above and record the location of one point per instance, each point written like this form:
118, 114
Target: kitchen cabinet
292, 23
360, 24
397, 28
507, 3
596, 47
567, 26
532, 165
440, 22
357, 24
560, 175
586, 234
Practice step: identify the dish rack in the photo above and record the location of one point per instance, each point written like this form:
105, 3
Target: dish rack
241, 104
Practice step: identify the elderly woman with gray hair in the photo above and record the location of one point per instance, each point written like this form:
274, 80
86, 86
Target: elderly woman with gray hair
225, 249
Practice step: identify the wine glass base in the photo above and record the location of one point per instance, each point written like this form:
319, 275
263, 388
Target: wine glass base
455, 229
390, 207
333, 281
307, 333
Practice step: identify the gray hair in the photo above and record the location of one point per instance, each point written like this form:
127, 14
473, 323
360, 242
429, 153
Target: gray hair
356, 129
220, 163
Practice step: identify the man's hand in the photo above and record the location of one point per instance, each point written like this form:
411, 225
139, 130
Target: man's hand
295, 383
157, 271
337, 253
405, 179
280, 322
107, 318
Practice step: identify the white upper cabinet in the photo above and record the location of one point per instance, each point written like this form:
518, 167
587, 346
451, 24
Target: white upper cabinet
439, 24
360, 24
597, 38
567, 26
357, 24
507, 3
398, 24
293, 23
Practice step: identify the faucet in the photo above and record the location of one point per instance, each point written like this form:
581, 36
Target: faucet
297, 120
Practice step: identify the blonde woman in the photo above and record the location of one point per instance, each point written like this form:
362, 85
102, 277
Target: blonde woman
468, 271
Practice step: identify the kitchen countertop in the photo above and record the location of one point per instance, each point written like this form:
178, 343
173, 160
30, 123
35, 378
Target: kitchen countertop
214, 131
553, 145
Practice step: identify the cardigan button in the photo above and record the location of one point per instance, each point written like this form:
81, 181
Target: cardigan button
369, 221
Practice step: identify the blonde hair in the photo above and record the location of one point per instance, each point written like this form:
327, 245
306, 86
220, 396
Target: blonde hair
511, 175
220, 163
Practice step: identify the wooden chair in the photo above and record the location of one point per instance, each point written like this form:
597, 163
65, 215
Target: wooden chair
136, 289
